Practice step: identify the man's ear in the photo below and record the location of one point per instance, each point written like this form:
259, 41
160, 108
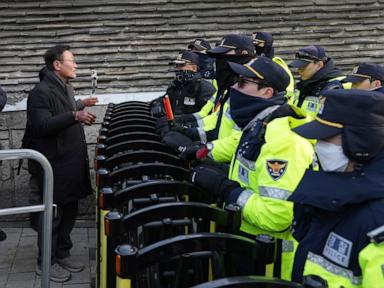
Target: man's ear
56, 65
376, 84
269, 92
320, 64
244, 52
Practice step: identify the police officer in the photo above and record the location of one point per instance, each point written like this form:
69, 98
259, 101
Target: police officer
206, 64
263, 42
270, 159
207, 71
188, 92
317, 73
233, 47
338, 209
367, 76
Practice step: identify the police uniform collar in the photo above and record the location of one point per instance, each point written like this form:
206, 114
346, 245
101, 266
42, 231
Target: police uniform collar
261, 116
342, 189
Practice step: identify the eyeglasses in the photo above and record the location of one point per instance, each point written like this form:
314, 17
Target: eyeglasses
242, 80
68, 60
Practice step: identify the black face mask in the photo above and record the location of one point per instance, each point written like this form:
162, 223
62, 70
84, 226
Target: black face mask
244, 107
225, 77
184, 75
267, 51
207, 70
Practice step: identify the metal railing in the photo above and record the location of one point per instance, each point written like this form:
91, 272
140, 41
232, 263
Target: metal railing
46, 207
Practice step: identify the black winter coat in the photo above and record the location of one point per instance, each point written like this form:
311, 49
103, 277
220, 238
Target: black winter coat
53, 131
191, 96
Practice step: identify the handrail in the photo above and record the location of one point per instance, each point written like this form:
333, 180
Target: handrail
46, 206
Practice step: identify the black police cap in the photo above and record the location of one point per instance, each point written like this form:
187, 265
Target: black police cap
366, 71
308, 54
199, 44
265, 69
355, 114
186, 57
234, 42
262, 39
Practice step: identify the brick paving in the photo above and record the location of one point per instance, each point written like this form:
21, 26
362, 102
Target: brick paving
18, 254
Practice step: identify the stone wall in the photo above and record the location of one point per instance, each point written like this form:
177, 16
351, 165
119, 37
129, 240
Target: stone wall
130, 43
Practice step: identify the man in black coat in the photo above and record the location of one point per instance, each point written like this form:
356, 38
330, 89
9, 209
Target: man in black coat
54, 128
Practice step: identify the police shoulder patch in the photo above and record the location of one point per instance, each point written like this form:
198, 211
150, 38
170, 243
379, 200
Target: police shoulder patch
276, 168
338, 249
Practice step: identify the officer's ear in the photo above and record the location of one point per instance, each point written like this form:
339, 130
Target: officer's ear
269, 92
320, 64
244, 52
376, 84
195, 68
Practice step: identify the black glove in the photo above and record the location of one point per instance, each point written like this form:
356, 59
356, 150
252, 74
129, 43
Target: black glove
162, 126
213, 180
189, 152
197, 151
191, 133
157, 108
186, 120
176, 140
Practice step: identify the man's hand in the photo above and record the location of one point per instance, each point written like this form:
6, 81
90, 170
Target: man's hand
91, 101
84, 117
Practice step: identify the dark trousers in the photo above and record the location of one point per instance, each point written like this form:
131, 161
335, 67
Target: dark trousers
62, 226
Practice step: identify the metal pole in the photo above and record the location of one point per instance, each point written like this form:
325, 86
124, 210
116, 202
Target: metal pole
21, 210
46, 207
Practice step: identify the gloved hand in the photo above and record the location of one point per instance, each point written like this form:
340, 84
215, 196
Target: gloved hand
186, 120
162, 126
157, 108
176, 140
179, 128
213, 180
191, 133
196, 151
84, 117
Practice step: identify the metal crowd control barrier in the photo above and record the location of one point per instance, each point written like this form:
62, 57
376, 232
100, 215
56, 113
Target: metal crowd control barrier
46, 206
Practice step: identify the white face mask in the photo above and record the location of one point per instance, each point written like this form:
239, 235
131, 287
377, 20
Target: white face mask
331, 156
